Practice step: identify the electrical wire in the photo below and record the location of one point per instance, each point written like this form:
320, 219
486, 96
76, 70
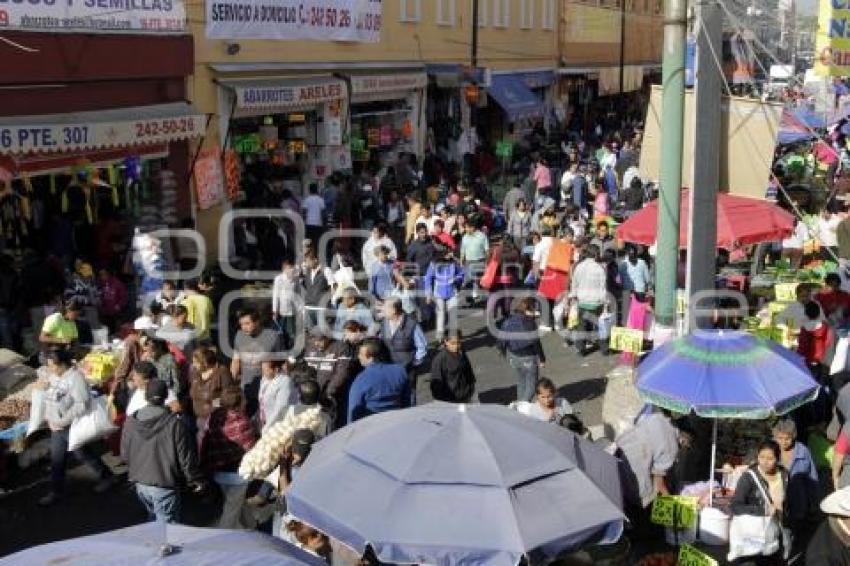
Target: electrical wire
17, 45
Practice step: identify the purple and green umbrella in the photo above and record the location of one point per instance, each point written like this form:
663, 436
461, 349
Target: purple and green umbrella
725, 374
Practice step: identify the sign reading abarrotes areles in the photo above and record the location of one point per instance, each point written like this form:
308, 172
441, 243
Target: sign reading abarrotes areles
281, 95
112, 16
319, 20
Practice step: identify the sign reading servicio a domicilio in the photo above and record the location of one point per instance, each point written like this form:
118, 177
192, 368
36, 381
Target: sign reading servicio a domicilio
319, 20
108, 16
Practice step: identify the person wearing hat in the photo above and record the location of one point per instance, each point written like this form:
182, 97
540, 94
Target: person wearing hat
157, 447
830, 544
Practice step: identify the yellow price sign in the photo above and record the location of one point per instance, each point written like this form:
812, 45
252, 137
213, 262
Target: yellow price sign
690, 556
626, 340
785, 292
681, 301
674, 511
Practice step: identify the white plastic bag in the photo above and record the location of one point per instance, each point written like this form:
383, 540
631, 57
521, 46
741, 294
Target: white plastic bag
37, 410
92, 425
605, 324
753, 535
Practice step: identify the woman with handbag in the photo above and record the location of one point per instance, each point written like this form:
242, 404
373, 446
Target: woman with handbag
67, 398
758, 509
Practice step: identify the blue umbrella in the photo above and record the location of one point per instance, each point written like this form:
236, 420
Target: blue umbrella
455, 484
722, 374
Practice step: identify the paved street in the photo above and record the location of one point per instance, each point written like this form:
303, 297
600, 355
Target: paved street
25, 524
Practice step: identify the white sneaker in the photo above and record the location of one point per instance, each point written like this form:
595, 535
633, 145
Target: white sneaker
544, 328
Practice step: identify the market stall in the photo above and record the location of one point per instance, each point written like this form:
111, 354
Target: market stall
297, 126
387, 116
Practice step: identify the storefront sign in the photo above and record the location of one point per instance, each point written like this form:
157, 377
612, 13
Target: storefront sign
690, 556
388, 83
50, 137
209, 178
319, 20
288, 95
112, 16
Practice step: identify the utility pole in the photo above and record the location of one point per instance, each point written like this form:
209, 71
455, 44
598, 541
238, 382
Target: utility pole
672, 136
702, 221
622, 42
473, 62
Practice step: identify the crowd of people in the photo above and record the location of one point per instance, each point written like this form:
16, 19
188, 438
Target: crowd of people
345, 327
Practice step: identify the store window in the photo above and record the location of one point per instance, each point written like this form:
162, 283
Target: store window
548, 15
380, 130
501, 13
446, 12
410, 10
526, 14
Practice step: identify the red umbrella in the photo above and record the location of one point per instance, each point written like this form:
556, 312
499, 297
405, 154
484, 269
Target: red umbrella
741, 221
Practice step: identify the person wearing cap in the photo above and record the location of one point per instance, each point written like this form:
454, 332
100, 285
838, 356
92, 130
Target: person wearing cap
67, 398
60, 328
143, 373
379, 387
830, 544
157, 447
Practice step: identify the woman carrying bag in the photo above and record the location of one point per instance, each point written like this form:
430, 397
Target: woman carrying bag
67, 398
757, 508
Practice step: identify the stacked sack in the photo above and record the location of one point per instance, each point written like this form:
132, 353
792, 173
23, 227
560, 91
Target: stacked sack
265, 456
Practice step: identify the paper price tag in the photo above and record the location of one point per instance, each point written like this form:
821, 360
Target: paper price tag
690, 556
786, 292
626, 340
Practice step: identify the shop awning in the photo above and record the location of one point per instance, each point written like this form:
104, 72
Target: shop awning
273, 96
104, 129
515, 98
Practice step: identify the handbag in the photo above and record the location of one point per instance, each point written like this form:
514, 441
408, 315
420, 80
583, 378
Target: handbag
753, 535
489, 276
94, 424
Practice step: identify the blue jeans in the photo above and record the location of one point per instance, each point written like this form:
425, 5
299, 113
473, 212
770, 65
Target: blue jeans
526, 368
162, 504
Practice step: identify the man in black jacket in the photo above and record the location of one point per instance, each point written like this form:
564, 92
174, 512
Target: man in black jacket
158, 450
314, 288
452, 378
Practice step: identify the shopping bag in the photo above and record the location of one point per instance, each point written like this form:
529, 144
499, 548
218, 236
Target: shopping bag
490, 271
753, 535
560, 256
604, 325
37, 410
572, 317
92, 425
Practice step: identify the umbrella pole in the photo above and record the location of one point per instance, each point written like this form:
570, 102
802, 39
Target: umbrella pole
713, 458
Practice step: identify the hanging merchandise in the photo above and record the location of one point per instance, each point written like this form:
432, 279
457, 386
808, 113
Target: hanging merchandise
373, 138
232, 174
407, 130
208, 174
386, 139
14, 216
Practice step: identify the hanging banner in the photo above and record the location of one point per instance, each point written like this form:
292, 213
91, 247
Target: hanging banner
318, 20
209, 178
107, 16
832, 42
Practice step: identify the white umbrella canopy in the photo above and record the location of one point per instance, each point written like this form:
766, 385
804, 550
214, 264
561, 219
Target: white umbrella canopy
454, 484
143, 544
